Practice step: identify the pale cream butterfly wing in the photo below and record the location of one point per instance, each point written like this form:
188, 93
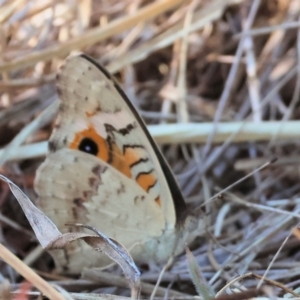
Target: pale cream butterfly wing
105, 170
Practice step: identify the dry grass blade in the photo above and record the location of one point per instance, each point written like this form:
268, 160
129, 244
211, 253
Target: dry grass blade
111, 248
199, 281
200, 18
43, 119
177, 134
29, 274
224, 69
147, 288
93, 36
43, 227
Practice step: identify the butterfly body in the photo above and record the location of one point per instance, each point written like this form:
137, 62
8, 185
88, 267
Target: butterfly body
104, 170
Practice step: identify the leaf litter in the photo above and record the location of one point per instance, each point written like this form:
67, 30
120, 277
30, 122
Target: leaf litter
218, 84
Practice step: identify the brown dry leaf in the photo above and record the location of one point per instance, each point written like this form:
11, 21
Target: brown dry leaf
110, 247
44, 229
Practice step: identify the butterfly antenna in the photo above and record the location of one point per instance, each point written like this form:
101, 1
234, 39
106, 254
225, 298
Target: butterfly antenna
219, 194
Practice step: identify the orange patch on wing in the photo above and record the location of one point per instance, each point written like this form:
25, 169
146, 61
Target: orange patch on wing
111, 155
131, 156
91, 133
119, 161
145, 181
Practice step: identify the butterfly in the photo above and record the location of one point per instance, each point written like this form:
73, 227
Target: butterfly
103, 169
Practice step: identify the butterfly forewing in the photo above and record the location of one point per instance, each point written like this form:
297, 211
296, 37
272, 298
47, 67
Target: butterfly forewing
104, 169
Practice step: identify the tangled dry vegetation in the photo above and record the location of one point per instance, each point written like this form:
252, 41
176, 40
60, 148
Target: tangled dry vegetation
226, 74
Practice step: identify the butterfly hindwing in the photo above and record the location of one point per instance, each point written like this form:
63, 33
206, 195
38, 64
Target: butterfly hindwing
97, 195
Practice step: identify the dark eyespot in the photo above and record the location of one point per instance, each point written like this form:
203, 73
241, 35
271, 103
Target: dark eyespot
89, 146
